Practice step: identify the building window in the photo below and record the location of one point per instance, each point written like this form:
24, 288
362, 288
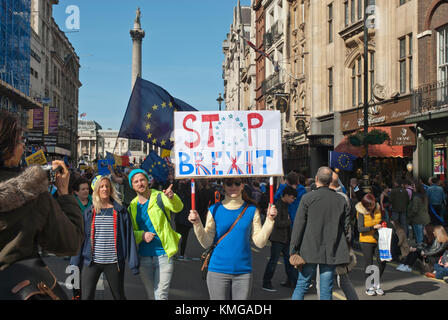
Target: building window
360, 15
442, 62
372, 73
330, 89
330, 23
357, 79
442, 54
352, 11
346, 13
354, 85
411, 68
405, 62
401, 2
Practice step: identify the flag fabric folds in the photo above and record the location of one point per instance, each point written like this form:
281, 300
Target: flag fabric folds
156, 167
342, 161
150, 114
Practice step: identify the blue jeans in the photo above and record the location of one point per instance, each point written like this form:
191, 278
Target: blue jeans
276, 249
418, 232
326, 273
440, 271
156, 274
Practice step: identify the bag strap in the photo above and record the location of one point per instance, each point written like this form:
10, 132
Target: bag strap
162, 206
231, 227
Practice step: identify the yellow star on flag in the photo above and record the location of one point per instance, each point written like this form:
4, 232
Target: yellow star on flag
148, 126
155, 107
163, 104
170, 104
163, 143
149, 115
154, 141
149, 135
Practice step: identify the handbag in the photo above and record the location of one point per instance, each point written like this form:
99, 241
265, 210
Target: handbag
29, 279
207, 254
297, 261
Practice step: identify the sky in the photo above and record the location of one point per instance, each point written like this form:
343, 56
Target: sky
181, 52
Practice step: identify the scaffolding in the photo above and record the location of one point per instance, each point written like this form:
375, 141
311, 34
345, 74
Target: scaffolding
15, 49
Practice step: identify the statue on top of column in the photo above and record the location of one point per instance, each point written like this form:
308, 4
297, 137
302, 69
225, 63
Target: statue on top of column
137, 18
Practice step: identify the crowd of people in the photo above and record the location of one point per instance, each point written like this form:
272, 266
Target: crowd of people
107, 222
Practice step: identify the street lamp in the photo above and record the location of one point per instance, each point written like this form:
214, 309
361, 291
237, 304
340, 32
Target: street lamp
365, 176
220, 100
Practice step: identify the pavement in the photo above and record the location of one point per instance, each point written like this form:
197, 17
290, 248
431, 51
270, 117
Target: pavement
187, 283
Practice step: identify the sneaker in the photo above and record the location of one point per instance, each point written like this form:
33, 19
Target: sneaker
287, 284
400, 267
430, 275
268, 287
407, 268
404, 268
379, 291
370, 292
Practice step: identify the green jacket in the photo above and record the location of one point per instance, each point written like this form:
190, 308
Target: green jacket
418, 211
168, 237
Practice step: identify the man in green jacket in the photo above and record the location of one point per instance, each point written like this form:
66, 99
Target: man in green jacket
157, 241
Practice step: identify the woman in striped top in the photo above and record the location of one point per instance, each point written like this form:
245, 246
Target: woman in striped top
109, 241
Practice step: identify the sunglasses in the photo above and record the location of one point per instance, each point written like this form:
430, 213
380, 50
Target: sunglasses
22, 140
230, 183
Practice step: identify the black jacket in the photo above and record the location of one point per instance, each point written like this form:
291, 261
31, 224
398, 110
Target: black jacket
321, 228
282, 225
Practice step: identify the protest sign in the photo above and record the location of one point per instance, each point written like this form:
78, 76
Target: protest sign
36, 158
227, 144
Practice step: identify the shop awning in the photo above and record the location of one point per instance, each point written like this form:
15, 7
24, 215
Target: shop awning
385, 150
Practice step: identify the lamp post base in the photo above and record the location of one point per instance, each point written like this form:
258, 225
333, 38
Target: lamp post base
366, 187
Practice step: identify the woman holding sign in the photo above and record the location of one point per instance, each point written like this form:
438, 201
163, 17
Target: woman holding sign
230, 267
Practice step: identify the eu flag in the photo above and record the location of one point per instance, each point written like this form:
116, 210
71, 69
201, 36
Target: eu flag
341, 160
156, 167
150, 114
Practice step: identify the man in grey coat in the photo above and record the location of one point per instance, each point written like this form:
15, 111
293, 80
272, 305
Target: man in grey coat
320, 235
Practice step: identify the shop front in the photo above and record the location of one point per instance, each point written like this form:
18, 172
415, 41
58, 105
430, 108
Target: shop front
430, 114
392, 160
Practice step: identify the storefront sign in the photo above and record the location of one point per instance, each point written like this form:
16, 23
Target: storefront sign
321, 141
380, 115
402, 136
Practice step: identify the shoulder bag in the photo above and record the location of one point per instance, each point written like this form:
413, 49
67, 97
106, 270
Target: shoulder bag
207, 254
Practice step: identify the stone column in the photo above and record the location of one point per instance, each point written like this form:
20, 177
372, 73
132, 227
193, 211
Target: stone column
137, 35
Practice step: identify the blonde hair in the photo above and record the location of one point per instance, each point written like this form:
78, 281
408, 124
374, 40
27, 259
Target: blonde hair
440, 234
96, 197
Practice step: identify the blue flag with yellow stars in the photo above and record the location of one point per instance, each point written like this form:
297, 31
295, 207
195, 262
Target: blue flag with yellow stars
150, 114
156, 167
342, 161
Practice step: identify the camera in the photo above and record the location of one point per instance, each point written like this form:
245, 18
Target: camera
51, 174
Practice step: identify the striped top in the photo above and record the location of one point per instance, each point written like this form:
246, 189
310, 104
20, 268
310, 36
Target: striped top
104, 245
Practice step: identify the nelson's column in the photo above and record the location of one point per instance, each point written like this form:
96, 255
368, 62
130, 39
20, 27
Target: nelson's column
137, 35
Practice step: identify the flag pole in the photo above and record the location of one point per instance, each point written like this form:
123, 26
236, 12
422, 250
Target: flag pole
193, 195
271, 190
